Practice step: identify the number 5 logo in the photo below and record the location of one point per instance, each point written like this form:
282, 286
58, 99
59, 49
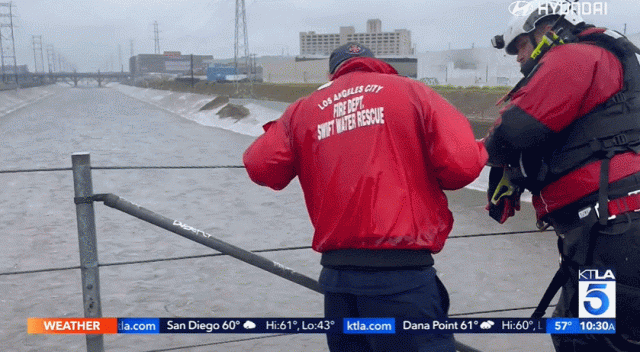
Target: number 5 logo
596, 292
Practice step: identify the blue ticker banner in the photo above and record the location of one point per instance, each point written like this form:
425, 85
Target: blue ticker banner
369, 326
581, 326
332, 326
138, 325
507, 326
249, 325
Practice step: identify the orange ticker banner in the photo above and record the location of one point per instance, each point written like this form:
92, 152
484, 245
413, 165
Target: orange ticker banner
72, 325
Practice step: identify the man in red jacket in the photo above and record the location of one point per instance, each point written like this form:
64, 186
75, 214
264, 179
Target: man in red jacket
571, 134
373, 152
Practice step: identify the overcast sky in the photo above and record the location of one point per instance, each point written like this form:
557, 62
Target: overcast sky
89, 33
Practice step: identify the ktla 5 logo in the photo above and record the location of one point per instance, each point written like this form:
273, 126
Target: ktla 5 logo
596, 293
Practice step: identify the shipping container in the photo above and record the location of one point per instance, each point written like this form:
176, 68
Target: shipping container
218, 73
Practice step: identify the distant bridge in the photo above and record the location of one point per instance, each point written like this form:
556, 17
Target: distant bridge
75, 77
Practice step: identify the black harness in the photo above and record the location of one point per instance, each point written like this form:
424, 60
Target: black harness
611, 128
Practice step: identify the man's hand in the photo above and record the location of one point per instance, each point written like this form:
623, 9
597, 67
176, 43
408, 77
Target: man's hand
504, 196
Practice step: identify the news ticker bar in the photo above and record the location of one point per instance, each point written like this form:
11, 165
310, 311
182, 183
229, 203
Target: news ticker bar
319, 326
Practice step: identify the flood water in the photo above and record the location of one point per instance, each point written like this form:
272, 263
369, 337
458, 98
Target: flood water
39, 231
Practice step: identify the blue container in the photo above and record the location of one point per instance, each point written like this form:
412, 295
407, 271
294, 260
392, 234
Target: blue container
219, 73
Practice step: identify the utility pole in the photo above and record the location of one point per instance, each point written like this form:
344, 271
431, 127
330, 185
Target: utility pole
120, 57
192, 79
50, 61
50, 58
41, 55
254, 67
131, 55
241, 31
156, 37
49, 54
53, 59
4, 80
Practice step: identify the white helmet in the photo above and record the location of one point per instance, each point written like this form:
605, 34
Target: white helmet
527, 14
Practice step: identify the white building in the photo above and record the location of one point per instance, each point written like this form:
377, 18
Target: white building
396, 43
465, 67
469, 67
478, 66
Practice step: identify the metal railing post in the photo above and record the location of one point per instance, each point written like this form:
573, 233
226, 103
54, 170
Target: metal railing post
83, 189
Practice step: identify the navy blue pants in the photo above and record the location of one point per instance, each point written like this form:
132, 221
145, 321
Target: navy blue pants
386, 294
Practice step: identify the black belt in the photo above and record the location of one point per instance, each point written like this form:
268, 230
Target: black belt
571, 215
579, 214
377, 259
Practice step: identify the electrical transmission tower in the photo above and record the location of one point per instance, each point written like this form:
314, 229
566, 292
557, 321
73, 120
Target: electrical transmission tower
50, 58
241, 31
156, 37
37, 53
7, 43
131, 56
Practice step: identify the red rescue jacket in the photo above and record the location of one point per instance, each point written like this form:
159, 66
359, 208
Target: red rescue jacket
571, 81
373, 152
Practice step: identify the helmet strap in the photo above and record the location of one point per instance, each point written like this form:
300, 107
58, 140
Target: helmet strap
548, 41
532, 39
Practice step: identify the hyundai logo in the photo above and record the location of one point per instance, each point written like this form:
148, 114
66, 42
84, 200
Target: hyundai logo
519, 8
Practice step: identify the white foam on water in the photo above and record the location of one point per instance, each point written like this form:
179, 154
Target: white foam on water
188, 106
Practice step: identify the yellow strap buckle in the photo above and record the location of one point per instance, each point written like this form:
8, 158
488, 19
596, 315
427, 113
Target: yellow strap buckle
504, 189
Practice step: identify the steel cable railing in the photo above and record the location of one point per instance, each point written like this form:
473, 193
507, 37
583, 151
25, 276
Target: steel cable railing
147, 261
266, 250
137, 262
124, 168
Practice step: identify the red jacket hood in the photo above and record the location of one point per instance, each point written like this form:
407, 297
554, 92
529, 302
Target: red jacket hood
364, 64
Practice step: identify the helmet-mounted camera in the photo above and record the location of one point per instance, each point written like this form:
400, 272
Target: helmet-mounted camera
525, 19
498, 41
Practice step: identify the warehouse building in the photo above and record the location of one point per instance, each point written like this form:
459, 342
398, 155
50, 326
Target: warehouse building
170, 62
